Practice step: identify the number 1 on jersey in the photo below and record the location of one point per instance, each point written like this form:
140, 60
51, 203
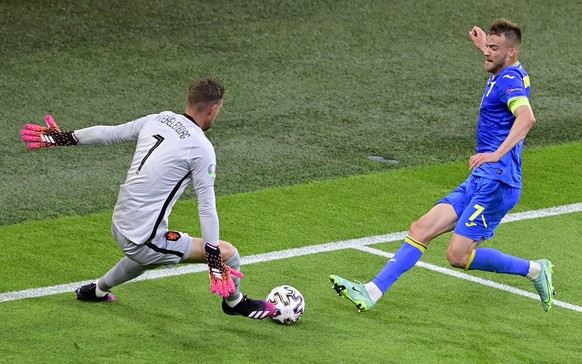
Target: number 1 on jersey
159, 140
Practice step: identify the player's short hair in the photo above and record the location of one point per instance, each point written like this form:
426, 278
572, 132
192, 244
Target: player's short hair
506, 28
205, 91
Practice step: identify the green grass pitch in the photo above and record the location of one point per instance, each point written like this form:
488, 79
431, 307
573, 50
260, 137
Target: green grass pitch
314, 88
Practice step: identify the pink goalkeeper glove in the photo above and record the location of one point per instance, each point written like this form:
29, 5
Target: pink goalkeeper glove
220, 274
43, 137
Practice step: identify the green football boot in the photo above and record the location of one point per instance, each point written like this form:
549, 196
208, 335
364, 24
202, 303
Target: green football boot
355, 292
543, 284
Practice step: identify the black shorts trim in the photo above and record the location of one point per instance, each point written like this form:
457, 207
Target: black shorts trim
162, 250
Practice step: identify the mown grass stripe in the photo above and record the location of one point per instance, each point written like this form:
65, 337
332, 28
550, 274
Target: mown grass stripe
360, 244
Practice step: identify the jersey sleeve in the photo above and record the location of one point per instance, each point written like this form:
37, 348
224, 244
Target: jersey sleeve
513, 91
209, 225
115, 134
203, 174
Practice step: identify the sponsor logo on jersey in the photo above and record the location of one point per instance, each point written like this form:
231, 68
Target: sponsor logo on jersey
173, 235
212, 170
514, 89
509, 76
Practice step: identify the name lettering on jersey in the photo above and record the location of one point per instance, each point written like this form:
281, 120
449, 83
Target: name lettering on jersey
177, 126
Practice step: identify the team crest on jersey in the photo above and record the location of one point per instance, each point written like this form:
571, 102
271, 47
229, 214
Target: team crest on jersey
173, 235
212, 170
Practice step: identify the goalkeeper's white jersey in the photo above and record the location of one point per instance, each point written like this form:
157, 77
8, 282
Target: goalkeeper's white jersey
171, 153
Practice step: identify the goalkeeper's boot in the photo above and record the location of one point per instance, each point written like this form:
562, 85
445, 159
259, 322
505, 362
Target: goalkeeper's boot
543, 284
355, 292
254, 309
87, 293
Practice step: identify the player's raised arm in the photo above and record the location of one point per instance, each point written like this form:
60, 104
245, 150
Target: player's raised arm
479, 38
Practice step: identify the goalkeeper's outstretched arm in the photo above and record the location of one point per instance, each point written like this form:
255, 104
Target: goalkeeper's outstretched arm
114, 134
37, 136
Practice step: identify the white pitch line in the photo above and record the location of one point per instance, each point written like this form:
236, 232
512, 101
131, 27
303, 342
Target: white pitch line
474, 279
284, 254
196, 268
535, 214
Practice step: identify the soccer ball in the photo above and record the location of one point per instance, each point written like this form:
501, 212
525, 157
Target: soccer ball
290, 303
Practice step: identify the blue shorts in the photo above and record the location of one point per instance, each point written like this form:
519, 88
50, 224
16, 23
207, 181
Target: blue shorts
480, 204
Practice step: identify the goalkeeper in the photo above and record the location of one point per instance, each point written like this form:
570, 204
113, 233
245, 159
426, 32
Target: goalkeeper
172, 152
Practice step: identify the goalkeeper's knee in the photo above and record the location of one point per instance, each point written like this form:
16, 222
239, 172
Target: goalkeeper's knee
227, 250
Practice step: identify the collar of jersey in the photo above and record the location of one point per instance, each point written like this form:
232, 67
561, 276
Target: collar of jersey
191, 119
494, 76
